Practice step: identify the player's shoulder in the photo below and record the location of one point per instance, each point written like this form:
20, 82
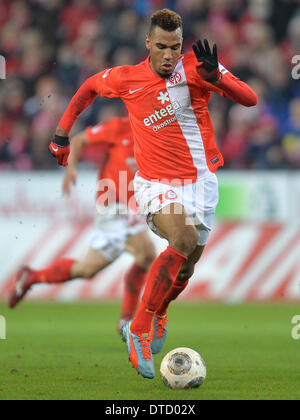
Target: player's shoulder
131, 70
106, 126
120, 129
116, 73
123, 77
135, 73
124, 126
124, 121
120, 122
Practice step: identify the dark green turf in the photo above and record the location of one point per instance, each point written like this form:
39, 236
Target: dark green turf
72, 351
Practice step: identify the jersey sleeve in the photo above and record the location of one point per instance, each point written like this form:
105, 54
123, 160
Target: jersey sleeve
109, 83
85, 95
193, 63
214, 88
231, 87
106, 84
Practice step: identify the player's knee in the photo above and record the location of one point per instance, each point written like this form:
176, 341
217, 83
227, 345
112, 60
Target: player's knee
186, 273
186, 242
89, 272
145, 259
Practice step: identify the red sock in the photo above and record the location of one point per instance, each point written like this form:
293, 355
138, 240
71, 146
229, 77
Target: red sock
135, 279
58, 272
176, 289
162, 274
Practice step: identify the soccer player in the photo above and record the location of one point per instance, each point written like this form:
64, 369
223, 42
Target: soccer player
118, 226
176, 187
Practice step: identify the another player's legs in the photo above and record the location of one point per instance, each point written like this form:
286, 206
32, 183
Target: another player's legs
87, 268
182, 237
143, 250
134, 280
64, 270
60, 271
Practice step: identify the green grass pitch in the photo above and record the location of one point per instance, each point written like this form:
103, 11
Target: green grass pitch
72, 352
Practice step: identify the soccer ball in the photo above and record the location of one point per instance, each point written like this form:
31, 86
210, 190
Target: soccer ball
183, 368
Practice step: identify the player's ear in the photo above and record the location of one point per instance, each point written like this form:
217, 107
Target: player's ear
148, 42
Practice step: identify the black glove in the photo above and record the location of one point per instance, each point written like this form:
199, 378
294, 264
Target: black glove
60, 149
209, 67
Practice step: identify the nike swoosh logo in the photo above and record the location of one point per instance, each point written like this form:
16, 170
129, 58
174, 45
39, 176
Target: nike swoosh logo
55, 150
105, 75
131, 92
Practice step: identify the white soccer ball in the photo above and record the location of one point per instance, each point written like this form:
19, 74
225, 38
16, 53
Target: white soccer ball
183, 368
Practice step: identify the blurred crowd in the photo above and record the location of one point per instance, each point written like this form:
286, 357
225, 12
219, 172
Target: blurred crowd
52, 46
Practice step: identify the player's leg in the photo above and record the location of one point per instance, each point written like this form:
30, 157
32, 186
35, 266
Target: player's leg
205, 195
60, 271
173, 224
88, 267
182, 280
201, 200
171, 221
182, 237
143, 251
179, 285
142, 248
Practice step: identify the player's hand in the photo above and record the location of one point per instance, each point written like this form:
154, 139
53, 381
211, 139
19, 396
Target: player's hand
70, 179
208, 67
60, 149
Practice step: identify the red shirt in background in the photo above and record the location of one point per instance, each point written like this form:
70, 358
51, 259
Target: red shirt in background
120, 166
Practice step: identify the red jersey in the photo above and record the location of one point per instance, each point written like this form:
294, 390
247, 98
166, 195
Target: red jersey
173, 133
119, 168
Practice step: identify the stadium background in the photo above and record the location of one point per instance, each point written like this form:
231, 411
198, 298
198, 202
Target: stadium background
52, 46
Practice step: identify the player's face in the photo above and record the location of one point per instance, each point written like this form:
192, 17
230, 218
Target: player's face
165, 49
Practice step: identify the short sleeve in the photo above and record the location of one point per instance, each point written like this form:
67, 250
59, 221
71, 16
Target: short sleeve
109, 83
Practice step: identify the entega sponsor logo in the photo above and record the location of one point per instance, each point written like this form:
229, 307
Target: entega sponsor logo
158, 115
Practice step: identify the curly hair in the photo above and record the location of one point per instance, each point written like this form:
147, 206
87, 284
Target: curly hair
167, 20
